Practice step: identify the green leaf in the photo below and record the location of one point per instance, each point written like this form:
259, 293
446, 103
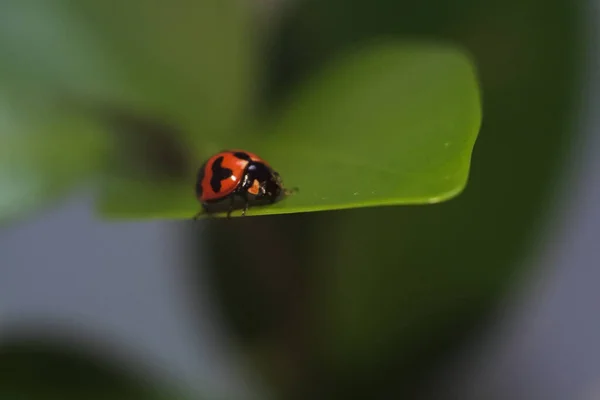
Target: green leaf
386, 124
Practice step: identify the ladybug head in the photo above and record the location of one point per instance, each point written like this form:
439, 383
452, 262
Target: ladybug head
274, 185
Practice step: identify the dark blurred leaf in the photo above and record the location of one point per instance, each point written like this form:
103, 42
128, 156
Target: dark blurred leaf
42, 370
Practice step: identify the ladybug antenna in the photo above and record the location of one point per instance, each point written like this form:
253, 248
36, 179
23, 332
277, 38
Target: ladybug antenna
291, 191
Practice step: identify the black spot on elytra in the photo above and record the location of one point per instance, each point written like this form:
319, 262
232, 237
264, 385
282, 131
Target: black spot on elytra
243, 156
218, 174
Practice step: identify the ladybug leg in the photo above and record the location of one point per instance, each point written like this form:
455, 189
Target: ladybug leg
230, 207
199, 213
246, 205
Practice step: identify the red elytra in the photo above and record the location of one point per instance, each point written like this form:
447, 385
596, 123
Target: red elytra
227, 160
232, 175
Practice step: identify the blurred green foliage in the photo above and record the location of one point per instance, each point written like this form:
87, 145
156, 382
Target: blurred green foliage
181, 62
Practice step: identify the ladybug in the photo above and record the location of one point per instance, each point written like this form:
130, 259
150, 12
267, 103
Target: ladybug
236, 179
